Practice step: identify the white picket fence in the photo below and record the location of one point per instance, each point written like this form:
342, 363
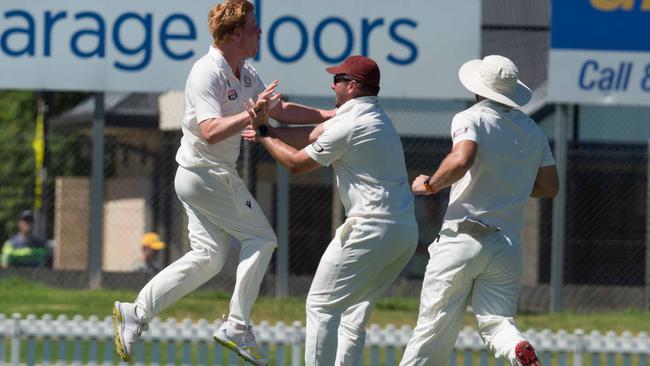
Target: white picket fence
80, 341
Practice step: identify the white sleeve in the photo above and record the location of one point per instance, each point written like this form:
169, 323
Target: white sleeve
206, 91
332, 144
463, 128
260, 84
547, 156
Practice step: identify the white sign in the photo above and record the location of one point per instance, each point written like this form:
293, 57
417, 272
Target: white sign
150, 46
608, 78
604, 58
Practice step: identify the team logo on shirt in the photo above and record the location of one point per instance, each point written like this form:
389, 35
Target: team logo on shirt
317, 147
247, 81
232, 94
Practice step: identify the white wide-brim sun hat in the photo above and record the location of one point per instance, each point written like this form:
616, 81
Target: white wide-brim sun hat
496, 78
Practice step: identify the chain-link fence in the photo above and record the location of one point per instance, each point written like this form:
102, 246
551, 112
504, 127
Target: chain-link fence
606, 260
605, 251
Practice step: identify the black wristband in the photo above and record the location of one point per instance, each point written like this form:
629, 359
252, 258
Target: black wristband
263, 130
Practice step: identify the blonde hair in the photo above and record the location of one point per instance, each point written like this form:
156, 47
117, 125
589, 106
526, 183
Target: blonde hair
224, 18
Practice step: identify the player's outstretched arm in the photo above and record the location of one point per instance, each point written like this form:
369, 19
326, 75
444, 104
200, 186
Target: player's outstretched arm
293, 113
299, 137
214, 130
296, 161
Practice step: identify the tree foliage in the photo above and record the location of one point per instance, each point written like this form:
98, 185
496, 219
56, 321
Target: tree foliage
17, 120
67, 153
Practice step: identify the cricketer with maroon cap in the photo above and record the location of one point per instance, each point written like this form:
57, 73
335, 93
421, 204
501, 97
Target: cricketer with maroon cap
380, 233
359, 68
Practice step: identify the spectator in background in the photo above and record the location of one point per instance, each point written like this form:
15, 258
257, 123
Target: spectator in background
23, 249
151, 245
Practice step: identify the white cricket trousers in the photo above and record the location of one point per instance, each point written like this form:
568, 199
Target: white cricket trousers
218, 206
362, 260
482, 270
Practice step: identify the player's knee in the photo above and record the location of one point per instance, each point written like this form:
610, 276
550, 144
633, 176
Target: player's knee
315, 304
270, 239
312, 306
266, 240
207, 258
267, 246
353, 330
318, 315
322, 307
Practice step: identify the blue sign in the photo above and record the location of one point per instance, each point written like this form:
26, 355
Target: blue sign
151, 45
600, 52
622, 25
20, 39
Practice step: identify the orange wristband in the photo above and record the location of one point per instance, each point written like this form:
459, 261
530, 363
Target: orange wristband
428, 187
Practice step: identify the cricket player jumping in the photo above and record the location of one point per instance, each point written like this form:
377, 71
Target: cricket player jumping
499, 158
216, 200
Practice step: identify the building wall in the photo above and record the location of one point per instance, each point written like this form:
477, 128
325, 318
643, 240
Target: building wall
127, 212
71, 223
127, 215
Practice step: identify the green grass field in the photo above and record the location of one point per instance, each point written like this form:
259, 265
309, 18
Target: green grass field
25, 297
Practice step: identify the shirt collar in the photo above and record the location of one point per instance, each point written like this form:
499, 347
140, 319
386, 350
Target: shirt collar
493, 105
371, 99
217, 55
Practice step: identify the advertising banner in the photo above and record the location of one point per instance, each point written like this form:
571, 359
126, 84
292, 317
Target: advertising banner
150, 46
600, 52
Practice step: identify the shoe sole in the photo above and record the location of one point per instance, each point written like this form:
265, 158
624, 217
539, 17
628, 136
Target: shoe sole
117, 323
233, 347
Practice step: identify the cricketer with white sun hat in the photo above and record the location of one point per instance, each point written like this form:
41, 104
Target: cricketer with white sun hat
499, 158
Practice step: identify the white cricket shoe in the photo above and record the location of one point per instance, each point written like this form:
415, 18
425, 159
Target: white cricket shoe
128, 329
240, 338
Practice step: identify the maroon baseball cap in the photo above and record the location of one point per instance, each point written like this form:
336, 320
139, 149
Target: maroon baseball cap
361, 68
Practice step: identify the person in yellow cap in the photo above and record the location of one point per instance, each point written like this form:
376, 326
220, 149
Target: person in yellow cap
151, 245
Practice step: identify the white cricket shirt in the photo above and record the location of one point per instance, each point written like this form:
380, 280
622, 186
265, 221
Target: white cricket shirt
212, 91
511, 149
365, 151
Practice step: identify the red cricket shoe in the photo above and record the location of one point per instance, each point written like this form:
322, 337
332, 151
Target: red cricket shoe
526, 355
